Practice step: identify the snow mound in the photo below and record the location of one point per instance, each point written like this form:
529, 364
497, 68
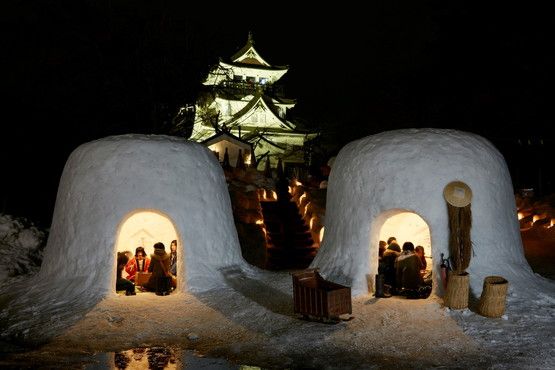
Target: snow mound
379, 176
103, 183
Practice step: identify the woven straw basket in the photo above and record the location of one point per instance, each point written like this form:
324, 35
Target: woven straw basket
456, 296
494, 294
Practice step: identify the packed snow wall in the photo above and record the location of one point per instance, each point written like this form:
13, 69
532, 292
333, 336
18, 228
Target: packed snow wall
397, 171
104, 180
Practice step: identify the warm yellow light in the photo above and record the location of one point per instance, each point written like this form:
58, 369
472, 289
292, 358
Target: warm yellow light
520, 215
305, 209
407, 227
322, 234
552, 222
302, 197
144, 228
259, 222
298, 183
264, 194
311, 223
536, 218
290, 189
274, 195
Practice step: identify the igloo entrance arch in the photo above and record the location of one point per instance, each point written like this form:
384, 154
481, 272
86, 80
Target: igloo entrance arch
144, 228
407, 226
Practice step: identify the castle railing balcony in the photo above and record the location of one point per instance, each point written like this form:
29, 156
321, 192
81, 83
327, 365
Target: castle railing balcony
246, 86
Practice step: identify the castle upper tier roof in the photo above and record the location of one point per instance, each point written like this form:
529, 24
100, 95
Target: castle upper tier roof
249, 55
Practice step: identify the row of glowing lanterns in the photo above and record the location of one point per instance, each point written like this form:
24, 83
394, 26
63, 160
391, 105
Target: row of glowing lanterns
303, 209
536, 218
270, 195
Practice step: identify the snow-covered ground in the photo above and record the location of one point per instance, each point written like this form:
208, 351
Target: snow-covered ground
251, 321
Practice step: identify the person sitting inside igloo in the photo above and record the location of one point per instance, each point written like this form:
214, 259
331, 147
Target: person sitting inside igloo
160, 280
122, 283
138, 264
387, 265
408, 278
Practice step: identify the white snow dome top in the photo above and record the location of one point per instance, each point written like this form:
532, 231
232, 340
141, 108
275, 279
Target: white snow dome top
404, 172
168, 187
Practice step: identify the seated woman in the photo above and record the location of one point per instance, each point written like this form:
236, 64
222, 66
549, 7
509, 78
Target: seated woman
121, 283
419, 251
138, 264
160, 280
426, 274
173, 262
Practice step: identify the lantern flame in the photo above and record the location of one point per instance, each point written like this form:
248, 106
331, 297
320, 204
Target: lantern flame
305, 209
259, 222
536, 218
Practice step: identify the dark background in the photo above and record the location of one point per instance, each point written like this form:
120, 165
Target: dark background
76, 71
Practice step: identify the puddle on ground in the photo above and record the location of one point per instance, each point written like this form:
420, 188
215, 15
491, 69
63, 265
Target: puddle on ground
155, 357
159, 358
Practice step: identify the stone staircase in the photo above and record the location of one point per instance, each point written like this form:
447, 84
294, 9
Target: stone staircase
290, 244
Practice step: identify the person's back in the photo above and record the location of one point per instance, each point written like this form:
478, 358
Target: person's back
388, 264
408, 268
160, 280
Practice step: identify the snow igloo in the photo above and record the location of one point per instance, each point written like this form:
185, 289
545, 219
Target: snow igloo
391, 184
121, 192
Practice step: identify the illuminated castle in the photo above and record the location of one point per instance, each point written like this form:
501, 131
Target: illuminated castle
242, 109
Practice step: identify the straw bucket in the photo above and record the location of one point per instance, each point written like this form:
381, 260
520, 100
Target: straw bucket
456, 296
494, 294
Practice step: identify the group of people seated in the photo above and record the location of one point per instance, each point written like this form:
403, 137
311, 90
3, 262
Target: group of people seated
161, 266
403, 270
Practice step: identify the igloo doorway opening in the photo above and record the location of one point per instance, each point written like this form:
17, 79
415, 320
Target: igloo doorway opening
407, 226
144, 228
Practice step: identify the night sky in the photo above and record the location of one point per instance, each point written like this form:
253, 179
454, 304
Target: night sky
81, 70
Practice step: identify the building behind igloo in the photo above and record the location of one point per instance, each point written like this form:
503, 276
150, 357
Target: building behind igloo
405, 171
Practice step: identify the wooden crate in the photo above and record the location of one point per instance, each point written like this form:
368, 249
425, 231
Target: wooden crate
142, 278
315, 296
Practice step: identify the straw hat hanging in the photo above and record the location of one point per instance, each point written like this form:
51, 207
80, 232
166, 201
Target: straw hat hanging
457, 194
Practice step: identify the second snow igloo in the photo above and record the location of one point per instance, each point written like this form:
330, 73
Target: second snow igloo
123, 191
402, 173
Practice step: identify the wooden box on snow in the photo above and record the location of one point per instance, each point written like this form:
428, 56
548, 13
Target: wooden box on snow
315, 296
141, 278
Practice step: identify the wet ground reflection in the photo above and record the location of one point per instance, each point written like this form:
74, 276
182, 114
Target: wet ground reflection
142, 358
158, 358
